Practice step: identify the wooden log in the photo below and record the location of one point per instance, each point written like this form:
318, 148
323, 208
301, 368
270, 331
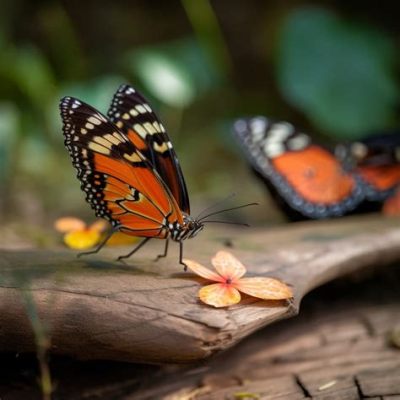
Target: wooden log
96, 308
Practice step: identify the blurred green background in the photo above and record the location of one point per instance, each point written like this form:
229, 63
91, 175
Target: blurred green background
329, 66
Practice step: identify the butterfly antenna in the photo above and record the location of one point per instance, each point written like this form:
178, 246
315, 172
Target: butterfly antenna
228, 209
225, 222
216, 204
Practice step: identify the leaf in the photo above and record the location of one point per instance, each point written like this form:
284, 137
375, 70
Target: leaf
175, 73
341, 75
219, 295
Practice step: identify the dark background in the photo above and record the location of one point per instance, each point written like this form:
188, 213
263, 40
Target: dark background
330, 67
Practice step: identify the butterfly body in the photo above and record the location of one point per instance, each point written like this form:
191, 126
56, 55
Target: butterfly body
128, 168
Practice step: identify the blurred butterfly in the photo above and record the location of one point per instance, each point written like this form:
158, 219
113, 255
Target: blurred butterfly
306, 180
129, 170
376, 160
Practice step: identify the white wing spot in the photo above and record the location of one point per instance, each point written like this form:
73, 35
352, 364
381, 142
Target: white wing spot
94, 121
140, 130
141, 109
298, 142
157, 126
149, 128
98, 148
133, 112
281, 130
273, 149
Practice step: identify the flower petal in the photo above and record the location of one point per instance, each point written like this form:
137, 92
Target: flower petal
219, 295
119, 238
264, 288
100, 225
228, 266
82, 239
68, 224
202, 271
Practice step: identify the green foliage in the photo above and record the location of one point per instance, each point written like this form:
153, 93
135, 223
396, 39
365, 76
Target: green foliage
341, 75
175, 73
8, 125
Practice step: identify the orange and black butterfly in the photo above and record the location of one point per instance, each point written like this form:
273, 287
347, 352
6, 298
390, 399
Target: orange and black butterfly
376, 159
128, 169
306, 180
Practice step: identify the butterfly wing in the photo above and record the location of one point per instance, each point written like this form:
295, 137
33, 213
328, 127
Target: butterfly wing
306, 177
132, 114
380, 181
120, 184
376, 159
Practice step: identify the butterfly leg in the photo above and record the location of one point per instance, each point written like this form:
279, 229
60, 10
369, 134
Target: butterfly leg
100, 246
165, 251
142, 243
181, 255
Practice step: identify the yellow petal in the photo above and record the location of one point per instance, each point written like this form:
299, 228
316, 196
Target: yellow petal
264, 288
219, 295
228, 266
100, 225
68, 224
82, 239
202, 271
119, 239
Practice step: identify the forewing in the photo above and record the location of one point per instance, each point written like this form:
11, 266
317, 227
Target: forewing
132, 114
120, 184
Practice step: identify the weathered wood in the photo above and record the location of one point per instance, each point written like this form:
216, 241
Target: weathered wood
95, 308
291, 352
381, 382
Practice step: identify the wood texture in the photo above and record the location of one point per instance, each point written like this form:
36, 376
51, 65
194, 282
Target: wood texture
342, 354
95, 308
338, 348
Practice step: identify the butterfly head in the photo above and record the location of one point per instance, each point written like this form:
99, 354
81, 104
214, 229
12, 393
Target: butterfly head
191, 226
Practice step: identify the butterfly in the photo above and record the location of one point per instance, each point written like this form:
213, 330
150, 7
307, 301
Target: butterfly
376, 160
129, 170
306, 179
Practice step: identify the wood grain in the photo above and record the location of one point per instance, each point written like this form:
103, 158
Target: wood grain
95, 308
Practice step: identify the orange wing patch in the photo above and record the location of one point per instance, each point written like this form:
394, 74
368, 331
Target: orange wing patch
315, 174
137, 140
142, 179
382, 177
